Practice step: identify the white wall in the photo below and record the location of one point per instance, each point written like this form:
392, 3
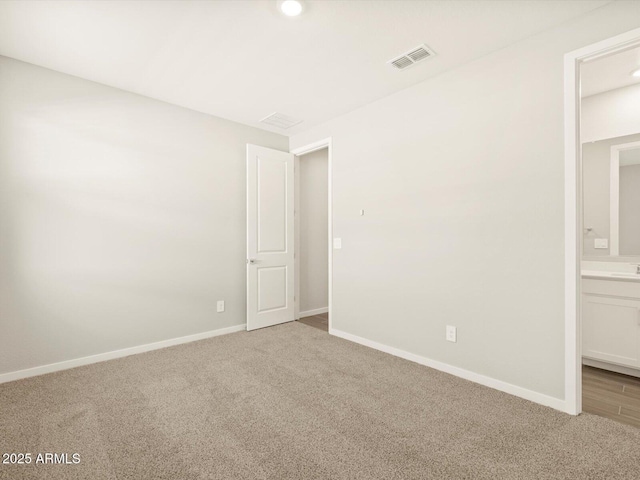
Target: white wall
313, 217
463, 183
122, 219
611, 114
596, 178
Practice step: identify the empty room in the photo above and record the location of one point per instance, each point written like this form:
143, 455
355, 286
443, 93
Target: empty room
319, 239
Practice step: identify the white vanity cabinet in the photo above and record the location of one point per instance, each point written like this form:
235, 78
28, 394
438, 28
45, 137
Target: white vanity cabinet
611, 321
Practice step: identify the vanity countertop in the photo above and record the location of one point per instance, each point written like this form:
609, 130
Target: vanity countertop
604, 275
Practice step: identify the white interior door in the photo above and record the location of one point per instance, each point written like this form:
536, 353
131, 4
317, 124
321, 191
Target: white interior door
270, 237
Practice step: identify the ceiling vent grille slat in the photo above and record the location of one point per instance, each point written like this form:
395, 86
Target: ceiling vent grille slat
418, 54
413, 56
280, 120
402, 62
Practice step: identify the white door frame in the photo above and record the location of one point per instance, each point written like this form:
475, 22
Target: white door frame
573, 207
312, 147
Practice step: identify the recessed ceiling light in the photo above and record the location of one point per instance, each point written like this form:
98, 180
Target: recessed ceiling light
636, 73
291, 8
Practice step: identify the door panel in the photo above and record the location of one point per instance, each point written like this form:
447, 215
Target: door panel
270, 224
272, 205
272, 288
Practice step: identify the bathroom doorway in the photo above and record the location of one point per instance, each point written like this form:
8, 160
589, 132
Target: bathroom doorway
312, 238
602, 206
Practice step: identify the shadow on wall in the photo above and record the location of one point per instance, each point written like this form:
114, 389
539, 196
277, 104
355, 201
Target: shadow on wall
122, 219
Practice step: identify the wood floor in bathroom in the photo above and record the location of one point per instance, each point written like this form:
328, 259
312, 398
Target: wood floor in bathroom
611, 395
320, 321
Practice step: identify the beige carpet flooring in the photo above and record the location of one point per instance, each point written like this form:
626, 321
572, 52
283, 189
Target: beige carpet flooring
292, 402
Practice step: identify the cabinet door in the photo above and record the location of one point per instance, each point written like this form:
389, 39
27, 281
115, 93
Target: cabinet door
611, 329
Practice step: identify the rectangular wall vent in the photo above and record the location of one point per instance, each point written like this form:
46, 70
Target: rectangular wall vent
280, 120
411, 57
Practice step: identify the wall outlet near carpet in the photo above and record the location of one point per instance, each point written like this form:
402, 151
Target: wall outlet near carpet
452, 334
220, 306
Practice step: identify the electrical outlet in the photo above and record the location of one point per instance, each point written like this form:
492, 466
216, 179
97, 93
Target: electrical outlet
601, 243
220, 306
452, 334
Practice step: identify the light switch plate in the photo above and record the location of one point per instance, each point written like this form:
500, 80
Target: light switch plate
601, 243
337, 243
220, 306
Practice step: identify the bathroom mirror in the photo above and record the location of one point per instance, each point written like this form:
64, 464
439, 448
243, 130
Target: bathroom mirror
611, 197
625, 199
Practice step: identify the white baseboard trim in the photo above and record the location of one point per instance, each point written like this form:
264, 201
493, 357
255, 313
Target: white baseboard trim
521, 392
316, 311
125, 352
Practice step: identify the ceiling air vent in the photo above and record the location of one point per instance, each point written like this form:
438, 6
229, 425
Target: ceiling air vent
412, 56
402, 62
280, 120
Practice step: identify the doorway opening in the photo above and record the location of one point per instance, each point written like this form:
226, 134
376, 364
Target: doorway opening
602, 276
610, 297
312, 238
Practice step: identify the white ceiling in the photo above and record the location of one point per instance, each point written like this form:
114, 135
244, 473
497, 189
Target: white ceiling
242, 60
630, 157
609, 73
